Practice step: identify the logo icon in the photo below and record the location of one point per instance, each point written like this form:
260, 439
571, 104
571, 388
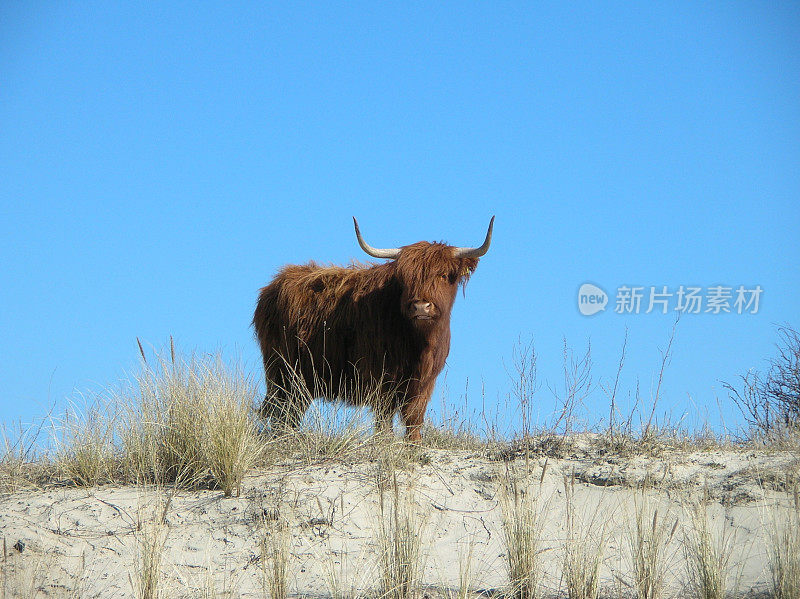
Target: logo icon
591, 299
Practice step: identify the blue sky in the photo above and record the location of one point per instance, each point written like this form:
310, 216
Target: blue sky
159, 163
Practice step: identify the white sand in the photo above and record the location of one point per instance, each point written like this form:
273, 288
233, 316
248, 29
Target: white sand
87, 539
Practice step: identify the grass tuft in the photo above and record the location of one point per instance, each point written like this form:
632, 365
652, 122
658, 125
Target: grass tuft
190, 422
151, 537
398, 538
22, 464
84, 437
583, 548
233, 443
522, 532
649, 536
275, 550
784, 548
707, 553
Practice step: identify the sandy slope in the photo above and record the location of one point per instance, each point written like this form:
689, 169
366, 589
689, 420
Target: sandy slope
88, 540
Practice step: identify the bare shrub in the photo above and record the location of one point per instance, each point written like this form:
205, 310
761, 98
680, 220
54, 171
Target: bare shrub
525, 383
577, 387
666, 355
770, 402
612, 392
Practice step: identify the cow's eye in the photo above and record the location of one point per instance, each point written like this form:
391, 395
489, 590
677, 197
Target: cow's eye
444, 276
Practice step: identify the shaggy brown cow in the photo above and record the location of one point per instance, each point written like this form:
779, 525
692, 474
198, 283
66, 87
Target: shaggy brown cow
375, 335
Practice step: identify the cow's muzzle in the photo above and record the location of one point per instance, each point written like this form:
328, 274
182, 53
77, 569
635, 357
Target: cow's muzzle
422, 310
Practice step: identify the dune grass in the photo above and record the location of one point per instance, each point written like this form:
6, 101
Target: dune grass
584, 545
523, 514
708, 547
275, 543
23, 465
195, 421
150, 534
399, 537
783, 547
188, 421
84, 437
192, 422
648, 537
465, 571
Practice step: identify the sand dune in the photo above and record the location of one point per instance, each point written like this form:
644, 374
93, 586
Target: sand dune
87, 543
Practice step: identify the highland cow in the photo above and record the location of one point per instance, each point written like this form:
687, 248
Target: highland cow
375, 335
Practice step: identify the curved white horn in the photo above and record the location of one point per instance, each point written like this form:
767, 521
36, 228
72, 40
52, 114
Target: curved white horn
374, 252
480, 251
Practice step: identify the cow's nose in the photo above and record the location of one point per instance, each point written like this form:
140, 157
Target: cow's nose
422, 308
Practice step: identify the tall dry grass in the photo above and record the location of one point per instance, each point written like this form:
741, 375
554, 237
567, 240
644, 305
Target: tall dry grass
188, 421
347, 577
328, 431
151, 533
708, 548
275, 542
783, 547
523, 515
23, 464
648, 538
317, 429
453, 426
584, 545
32, 576
84, 440
191, 422
335, 577
399, 538
465, 571
233, 441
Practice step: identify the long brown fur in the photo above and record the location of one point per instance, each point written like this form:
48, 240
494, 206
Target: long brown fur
348, 333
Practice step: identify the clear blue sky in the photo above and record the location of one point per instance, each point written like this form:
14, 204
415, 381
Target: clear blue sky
159, 162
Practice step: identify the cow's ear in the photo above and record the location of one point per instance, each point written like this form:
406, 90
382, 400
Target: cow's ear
463, 277
468, 266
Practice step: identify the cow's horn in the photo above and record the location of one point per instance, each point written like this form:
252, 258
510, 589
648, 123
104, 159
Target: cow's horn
477, 252
374, 252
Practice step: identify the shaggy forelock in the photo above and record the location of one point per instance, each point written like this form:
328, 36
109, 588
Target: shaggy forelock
420, 263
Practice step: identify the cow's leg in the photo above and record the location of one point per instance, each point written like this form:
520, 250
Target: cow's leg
413, 419
284, 410
383, 423
413, 412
